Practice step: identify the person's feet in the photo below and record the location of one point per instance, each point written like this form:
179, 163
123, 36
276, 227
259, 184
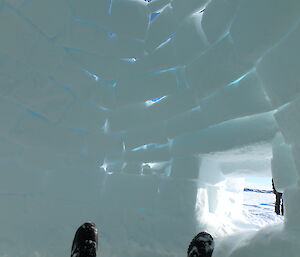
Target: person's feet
85, 241
202, 245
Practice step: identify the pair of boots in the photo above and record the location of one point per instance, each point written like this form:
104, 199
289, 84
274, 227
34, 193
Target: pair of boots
85, 243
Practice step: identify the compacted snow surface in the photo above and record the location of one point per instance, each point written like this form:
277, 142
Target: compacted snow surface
259, 224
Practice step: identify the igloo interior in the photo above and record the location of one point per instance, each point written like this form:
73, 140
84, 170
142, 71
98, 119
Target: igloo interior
141, 116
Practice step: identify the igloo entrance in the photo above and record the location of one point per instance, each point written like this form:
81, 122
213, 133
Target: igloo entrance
223, 204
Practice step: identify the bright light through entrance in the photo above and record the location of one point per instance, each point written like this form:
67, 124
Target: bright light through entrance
259, 202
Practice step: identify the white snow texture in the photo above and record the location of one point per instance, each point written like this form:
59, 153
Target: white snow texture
145, 117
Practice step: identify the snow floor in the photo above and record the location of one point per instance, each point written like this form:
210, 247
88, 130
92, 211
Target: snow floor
258, 222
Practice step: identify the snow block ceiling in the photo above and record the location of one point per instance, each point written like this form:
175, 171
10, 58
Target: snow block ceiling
141, 116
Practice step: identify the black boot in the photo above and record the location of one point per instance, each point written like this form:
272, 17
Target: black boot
85, 241
202, 245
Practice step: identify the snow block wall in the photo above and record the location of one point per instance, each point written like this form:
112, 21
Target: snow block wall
144, 117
